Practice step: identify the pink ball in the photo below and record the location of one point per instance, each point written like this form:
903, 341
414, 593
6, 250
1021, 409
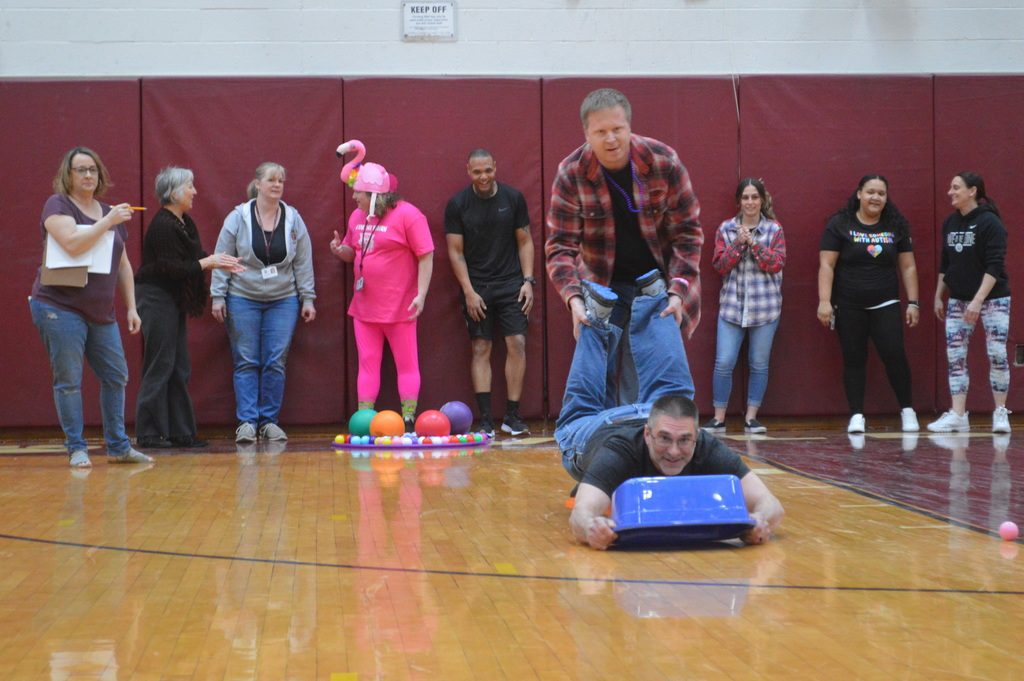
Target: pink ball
1008, 531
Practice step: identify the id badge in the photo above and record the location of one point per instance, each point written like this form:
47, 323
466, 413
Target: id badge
359, 284
269, 272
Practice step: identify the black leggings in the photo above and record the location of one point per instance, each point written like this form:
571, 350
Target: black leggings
884, 326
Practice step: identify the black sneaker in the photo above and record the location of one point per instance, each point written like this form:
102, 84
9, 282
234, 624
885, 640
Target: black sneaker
714, 426
651, 284
410, 424
514, 425
754, 426
487, 425
153, 443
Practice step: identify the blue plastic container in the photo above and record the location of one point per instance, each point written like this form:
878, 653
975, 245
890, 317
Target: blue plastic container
668, 511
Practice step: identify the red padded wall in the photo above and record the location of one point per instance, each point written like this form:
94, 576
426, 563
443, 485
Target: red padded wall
979, 127
39, 122
812, 138
422, 130
222, 129
809, 137
695, 116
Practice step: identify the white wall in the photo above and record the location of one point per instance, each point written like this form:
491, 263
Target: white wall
72, 38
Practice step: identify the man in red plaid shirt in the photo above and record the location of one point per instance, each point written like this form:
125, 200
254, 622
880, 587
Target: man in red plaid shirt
623, 213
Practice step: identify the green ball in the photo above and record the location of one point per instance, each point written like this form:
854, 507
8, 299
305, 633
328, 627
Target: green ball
359, 424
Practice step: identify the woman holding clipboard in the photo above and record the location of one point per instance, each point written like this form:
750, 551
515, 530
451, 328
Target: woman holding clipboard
78, 322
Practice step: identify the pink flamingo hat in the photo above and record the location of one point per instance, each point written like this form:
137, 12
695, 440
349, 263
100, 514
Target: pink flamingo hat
349, 171
372, 178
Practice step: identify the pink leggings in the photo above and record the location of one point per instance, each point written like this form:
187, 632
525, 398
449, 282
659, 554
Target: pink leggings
401, 336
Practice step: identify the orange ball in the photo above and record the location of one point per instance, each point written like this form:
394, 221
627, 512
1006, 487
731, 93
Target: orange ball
388, 423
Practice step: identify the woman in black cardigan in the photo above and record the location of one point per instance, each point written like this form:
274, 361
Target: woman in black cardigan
169, 287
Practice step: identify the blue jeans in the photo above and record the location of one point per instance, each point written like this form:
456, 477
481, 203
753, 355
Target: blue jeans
657, 348
730, 338
623, 382
68, 339
260, 334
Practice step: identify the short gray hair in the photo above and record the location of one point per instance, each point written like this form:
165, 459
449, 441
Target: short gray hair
169, 181
673, 406
605, 98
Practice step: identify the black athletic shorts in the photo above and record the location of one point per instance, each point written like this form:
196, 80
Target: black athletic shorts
503, 309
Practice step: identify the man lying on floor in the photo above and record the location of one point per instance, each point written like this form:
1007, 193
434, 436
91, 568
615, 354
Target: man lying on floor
657, 436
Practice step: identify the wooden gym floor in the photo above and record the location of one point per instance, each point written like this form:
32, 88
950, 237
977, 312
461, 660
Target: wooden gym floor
315, 564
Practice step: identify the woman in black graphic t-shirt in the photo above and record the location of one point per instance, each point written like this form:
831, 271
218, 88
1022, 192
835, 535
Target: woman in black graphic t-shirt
865, 250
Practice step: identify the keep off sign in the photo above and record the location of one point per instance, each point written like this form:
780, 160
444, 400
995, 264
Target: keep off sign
428, 20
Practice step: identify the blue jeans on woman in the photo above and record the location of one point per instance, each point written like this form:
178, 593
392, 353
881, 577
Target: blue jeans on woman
260, 333
730, 338
657, 347
69, 339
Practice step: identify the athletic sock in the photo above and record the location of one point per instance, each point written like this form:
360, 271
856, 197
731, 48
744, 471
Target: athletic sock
364, 404
512, 407
483, 402
408, 409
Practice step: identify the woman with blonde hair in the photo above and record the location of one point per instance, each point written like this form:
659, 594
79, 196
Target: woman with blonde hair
261, 304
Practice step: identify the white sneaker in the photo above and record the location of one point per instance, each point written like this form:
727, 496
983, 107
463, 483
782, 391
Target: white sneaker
910, 424
856, 424
950, 422
1001, 420
856, 440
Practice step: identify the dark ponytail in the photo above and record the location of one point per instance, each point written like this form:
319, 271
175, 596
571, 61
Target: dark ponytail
975, 180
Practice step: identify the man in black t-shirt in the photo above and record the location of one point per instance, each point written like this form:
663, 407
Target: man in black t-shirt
602, 448
487, 229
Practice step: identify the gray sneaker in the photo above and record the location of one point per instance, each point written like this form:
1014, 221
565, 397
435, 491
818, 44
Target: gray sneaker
246, 432
600, 300
651, 284
272, 432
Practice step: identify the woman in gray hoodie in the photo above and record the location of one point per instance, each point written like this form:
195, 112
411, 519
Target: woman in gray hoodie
261, 305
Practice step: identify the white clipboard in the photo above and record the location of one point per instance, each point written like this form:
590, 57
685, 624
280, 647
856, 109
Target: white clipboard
97, 258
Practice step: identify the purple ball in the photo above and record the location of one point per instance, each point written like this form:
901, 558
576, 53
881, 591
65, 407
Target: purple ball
459, 415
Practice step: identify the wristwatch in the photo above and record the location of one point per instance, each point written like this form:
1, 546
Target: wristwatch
531, 280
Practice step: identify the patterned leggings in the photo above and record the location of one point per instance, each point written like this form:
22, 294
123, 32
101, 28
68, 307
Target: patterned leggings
995, 317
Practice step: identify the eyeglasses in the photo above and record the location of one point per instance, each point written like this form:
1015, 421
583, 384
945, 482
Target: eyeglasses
666, 442
84, 171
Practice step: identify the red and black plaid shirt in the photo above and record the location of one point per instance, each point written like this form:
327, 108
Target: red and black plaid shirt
581, 224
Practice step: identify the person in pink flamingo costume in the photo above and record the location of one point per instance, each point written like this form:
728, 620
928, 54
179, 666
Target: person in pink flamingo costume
389, 245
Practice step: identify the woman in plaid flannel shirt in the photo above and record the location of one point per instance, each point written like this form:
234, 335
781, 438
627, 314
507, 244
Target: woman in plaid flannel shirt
750, 252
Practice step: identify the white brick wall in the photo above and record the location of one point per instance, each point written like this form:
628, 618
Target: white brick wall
72, 38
